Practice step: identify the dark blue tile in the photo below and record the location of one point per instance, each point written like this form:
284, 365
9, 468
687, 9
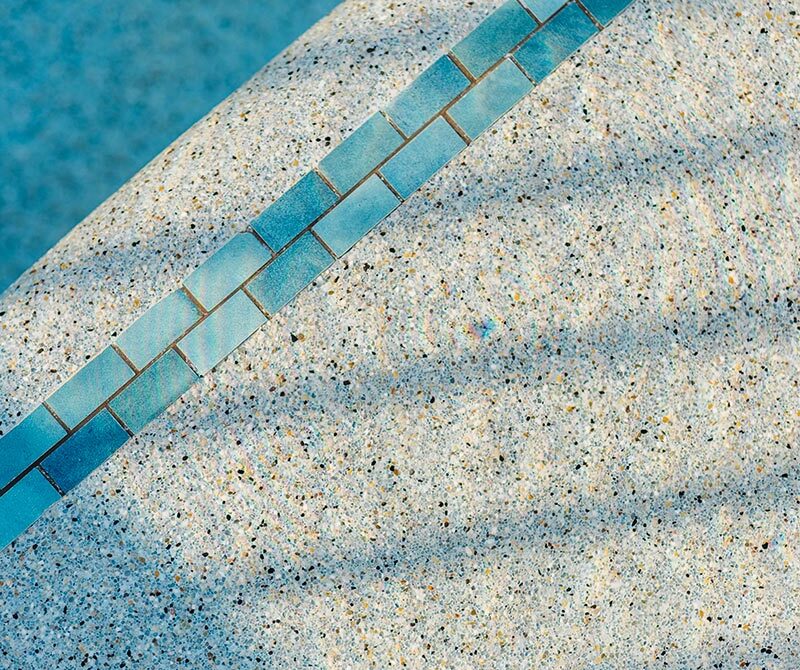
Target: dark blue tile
556, 40
544, 9
23, 503
605, 10
85, 450
155, 389
26, 442
90, 387
290, 273
295, 210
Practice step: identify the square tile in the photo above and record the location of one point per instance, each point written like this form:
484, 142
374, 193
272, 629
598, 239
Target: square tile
605, 10
23, 504
26, 442
544, 9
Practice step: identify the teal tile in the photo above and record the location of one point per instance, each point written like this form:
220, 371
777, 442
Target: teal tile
22, 504
490, 99
494, 37
155, 389
544, 9
422, 157
605, 10
354, 158
290, 273
295, 210
227, 269
429, 93
157, 328
221, 332
26, 442
557, 39
356, 215
90, 387
85, 450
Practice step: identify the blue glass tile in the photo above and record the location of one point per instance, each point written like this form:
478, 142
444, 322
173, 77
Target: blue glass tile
421, 158
224, 330
544, 9
356, 215
85, 450
28, 440
157, 328
90, 387
353, 159
494, 37
296, 209
23, 504
227, 269
557, 39
605, 10
290, 273
490, 99
153, 391
429, 93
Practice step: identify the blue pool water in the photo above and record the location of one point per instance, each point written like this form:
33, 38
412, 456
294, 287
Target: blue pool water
91, 90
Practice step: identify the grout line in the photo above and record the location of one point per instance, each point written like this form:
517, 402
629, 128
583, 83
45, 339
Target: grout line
389, 186
327, 181
124, 356
391, 122
253, 299
323, 243
50, 480
55, 415
197, 303
174, 346
513, 59
119, 420
597, 23
446, 116
530, 13
461, 67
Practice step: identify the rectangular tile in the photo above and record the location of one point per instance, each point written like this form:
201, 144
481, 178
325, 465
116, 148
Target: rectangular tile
356, 156
427, 95
153, 391
422, 157
490, 99
90, 387
26, 442
557, 39
23, 504
85, 450
221, 332
227, 269
157, 328
605, 10
356, 215
494, 37
296, 209
290, 273
544, 9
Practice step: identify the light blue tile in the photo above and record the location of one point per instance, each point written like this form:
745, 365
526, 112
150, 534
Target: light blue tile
490, 99
85, 450
296, 209
353, 159
227, 269
356, 215
605, 10
23, 504
153, 391
90, 387
494, 37
26, 442
157, 328
221, 332
421, 158
290, 273
544, 9
427, 95
557, 39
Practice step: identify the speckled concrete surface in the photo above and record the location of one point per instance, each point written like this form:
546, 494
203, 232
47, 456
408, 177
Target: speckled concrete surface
545, 416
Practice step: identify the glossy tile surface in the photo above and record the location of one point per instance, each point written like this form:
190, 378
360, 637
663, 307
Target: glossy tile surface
26, 442
23, 504
605, 10
544, 9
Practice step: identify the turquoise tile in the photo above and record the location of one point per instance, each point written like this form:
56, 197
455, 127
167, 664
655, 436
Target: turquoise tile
23, 503
153, 391
490, 99
354, 158
356, 215
26, 442
157, 328
429, 93
290, 273
605, 10
557, 39
494, 37
227, 269
85, 450
90, 387
421, 158
221, 332
544, 9
296, 209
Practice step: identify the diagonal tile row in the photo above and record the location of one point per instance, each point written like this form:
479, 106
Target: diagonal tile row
225, 300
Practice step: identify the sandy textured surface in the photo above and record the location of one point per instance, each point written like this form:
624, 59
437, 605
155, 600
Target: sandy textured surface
546, 416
